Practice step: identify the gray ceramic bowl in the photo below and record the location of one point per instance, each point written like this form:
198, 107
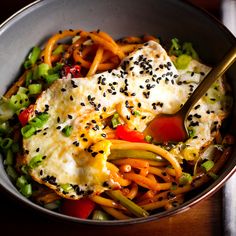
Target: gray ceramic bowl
167, 19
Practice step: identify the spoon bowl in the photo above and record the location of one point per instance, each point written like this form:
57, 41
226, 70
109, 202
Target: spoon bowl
166, 128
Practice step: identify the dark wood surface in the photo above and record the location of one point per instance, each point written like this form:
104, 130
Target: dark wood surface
203, 219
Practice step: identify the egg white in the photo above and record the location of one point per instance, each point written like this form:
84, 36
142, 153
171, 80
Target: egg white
147, 82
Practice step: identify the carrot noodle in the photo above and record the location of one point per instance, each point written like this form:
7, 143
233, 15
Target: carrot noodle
160, 173
133, 191
125, 168
142, 181
144, 171
118, 178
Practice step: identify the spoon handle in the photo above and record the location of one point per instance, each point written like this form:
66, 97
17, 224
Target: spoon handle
212, 76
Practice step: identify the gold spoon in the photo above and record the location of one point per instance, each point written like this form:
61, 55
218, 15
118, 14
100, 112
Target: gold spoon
171, 127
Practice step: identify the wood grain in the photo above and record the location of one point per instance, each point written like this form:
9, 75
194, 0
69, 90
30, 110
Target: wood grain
204, 219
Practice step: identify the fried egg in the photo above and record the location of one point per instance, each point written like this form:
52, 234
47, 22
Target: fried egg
146, 82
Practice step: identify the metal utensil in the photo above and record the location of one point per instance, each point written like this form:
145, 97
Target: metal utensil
171, 127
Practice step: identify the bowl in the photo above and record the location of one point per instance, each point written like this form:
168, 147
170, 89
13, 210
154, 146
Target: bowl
166, 19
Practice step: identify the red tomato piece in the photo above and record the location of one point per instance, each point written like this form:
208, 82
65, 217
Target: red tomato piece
123, 132
81, 208
25, 114
73, 70
165, 129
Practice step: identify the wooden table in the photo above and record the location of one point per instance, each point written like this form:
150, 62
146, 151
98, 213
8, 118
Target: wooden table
204, 219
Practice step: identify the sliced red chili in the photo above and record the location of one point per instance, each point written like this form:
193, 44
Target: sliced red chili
25, 115
123, 132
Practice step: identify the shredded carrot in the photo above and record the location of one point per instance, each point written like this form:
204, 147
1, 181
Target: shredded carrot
142, 181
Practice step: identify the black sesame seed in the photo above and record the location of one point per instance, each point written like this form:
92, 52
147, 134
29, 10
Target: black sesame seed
82, 104
197, 116
71, 98
63, 89
94, 154
70, 116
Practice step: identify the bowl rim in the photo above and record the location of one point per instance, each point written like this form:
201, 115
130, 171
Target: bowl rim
206, 193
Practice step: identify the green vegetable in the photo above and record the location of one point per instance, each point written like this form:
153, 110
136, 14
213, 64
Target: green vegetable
191, 132
36, 122
182, 61
27, 131
136, 113
130, 205
186, 48
39, 121
119, 153
21, 181
35, 161
22, 90
43, 70
15, 147
59, 50
115, 120
175, 48
9, 158
66, 187
213, 175
19, 101
11, 172
25, 169
207, 165
185, 178
67, 130
6, 112
35, 89
100, 215
44, 116
53, 205
4, 127
148, 138
6, 143
32, 58
189, 50
28, 78
55, 69
26, 190
50, 78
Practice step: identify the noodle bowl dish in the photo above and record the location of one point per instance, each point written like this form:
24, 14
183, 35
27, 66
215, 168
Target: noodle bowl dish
76, 103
